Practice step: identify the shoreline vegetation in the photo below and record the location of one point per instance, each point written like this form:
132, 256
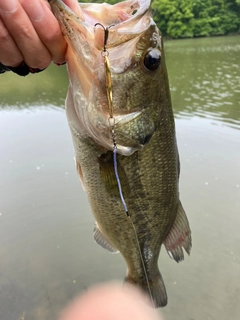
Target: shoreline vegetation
194, 18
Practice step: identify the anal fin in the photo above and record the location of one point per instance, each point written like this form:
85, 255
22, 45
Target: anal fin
102, 241
179, 236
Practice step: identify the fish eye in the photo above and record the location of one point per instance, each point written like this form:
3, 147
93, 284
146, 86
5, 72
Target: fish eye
152, 59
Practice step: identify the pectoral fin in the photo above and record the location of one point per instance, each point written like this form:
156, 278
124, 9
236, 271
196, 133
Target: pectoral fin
106, 168
80, 174
179, 236
102, 241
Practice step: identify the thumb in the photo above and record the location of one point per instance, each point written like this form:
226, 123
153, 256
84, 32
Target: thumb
110, 302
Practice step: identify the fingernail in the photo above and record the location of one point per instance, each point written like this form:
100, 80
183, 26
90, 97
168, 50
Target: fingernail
8, 6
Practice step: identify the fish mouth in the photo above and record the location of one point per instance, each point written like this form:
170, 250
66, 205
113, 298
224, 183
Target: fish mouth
127, 21
130, 24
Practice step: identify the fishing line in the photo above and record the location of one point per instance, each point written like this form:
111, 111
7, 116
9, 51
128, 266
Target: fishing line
111, 120
118, 180
126, 210
143, 264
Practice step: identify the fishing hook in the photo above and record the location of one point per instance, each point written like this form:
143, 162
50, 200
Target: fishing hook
105, 54
106, 33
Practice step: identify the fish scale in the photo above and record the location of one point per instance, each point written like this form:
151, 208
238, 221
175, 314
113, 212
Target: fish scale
143, 135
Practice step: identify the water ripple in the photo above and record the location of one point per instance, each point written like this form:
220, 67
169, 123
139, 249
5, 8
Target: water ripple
206, 82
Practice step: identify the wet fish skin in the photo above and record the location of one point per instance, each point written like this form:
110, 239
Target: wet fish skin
147, 160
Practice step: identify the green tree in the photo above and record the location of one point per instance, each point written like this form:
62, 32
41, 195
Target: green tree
174, 18
214, 17
195, 18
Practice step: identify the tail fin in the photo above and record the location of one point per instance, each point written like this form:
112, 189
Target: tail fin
154, 289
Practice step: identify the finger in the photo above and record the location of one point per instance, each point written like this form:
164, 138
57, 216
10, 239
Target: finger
47, 28
74, 6
9, 53
21, 29
110, 302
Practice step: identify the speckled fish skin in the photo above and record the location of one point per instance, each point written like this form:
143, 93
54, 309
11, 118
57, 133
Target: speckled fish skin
147, 159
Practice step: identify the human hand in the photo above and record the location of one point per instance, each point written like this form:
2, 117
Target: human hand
29, 32
110, 302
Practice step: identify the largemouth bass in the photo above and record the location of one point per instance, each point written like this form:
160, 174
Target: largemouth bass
121, 119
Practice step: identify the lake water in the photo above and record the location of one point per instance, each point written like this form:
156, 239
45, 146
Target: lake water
47, 252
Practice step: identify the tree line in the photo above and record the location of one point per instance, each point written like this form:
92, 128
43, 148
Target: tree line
197, 18
194, 18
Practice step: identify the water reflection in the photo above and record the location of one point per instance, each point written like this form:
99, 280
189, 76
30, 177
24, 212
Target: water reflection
46, 88
205, 78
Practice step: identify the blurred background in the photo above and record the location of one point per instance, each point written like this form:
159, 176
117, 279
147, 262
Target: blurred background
47, 251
